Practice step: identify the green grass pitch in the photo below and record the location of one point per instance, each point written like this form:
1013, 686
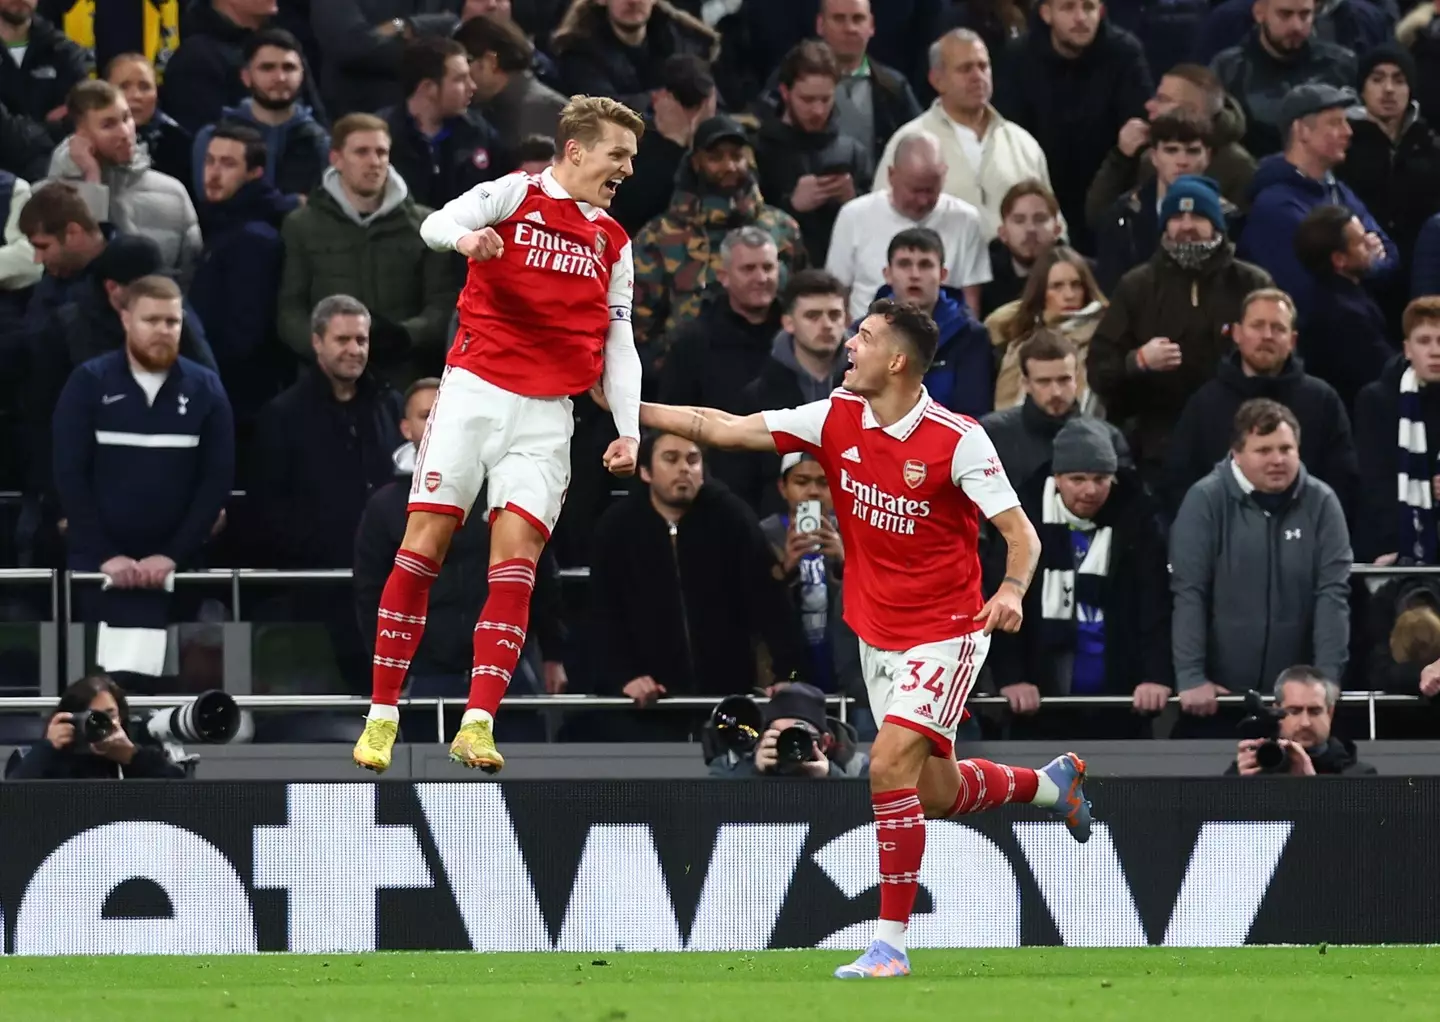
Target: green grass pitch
1045, 984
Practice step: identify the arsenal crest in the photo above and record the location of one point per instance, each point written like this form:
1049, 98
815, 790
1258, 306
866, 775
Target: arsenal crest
432, 481
600, 244
913, 473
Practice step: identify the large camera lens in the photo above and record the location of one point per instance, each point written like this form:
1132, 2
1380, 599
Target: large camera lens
794, 745
212, 717
736, 723
1270, 755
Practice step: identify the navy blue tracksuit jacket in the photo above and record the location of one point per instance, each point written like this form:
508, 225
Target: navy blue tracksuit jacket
137, 479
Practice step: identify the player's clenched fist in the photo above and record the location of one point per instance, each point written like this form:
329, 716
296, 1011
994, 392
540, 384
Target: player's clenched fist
1002, 613
481, 245
619, 457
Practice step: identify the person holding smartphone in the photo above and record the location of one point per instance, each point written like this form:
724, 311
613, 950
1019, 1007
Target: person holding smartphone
812, 563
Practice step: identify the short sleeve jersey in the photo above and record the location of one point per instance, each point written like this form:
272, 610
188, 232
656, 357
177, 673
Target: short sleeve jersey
908, 500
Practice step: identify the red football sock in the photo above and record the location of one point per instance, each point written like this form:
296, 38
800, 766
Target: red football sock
900, 831
985, 785
401, 623
500, 633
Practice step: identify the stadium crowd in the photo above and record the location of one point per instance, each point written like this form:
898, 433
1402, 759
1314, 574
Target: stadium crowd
1184, 259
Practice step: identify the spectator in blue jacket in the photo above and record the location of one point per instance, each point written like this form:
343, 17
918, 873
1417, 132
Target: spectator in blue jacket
66, 239
144, 463
297, 146
962, 376
1289, 185
237, 283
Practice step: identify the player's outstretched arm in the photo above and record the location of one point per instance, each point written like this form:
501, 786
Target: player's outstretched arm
710, 426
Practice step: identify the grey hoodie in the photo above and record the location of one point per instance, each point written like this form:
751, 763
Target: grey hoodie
395, 192
783, 351
1256, 593
139, 200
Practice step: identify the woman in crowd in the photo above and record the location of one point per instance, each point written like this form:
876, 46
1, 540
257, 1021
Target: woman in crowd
168, 144
1060, 293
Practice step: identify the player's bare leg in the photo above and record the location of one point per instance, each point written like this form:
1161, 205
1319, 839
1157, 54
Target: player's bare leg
516, 542
401, 623
897, 760
949, 789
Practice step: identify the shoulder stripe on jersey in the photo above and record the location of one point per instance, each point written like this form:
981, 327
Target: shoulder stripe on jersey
963, 421
959, 427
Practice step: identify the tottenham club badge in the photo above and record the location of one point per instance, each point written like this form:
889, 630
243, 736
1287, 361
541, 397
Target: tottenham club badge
914, 473
432, 481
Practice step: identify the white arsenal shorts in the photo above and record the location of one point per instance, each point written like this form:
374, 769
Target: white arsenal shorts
479, 432
924, 688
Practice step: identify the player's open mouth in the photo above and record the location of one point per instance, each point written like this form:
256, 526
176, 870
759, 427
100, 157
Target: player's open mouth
608, 188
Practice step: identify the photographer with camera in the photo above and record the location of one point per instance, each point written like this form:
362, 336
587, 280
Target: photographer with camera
794, 738
1293, 738
87, 739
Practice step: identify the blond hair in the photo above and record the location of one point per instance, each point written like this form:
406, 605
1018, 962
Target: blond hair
584, 118
154, 286
1415, 638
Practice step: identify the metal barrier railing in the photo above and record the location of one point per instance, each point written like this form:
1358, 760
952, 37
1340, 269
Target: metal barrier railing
61, 582
266, 703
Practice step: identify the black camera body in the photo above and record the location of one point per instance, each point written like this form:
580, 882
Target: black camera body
794, 746
91, 726
1262, 723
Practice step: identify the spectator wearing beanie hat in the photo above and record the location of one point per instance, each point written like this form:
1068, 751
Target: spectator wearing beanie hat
1167, 327
1097, 619
1393, 163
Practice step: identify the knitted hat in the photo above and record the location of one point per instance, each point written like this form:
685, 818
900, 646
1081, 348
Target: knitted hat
1386, 53
127, 258
800, 702
1083, 445
1193, 194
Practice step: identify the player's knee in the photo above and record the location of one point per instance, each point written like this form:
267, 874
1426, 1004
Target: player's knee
896, 758
515, 536
428, 533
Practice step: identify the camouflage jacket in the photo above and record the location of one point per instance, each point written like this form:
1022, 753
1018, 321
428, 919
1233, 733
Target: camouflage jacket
678, 254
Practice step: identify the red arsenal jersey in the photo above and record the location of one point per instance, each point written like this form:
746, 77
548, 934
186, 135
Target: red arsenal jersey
534, 320
908, 499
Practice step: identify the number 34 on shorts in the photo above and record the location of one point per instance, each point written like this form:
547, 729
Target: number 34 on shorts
925, 687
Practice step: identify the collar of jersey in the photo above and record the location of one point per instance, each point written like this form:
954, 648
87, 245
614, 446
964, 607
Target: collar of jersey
902, 427
556, 190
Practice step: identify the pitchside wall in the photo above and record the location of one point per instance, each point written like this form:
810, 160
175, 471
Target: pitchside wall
636, 865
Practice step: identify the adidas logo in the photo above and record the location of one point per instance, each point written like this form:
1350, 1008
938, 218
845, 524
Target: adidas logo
534, 217
853, 454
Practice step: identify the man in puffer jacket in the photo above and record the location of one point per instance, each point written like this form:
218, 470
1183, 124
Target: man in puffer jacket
114, 177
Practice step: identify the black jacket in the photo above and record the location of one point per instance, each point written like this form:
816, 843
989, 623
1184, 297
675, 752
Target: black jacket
647, 193
52, 65
316, 462
469, 153
1343, 336
1399, 182
458, 593
1377, 426
1383, 609
235, 288
785, 153
25, 146
171, 149
594, 62
1336, 756
712, 359
686, 611
1202, 436
1260, 83
1005, 285
1136, 601
202, 77
361, 67
43, 762
1074, 108
892, 102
